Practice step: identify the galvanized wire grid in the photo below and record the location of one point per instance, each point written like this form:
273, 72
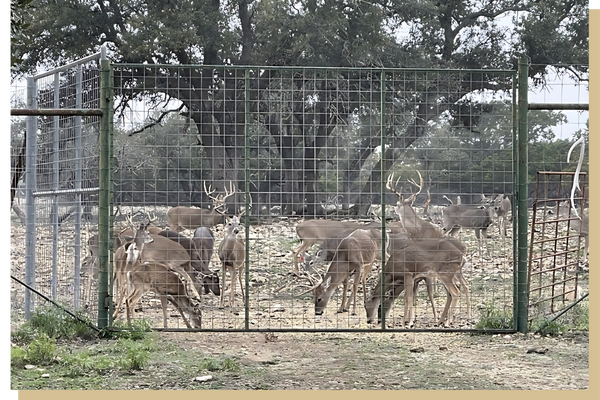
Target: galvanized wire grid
303, 143
64, 192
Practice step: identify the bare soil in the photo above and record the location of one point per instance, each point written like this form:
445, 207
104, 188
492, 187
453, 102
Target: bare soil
391, 361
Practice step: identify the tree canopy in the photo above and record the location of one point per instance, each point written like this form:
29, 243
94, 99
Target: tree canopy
448, 34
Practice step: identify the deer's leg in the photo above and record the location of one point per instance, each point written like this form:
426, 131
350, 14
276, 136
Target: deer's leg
241, 286
357, 278
224, 270
163, 303
345, 298
485, 240
430, 289
408, 298
451, 299
232, 288
363, 277
465, 285
132, 299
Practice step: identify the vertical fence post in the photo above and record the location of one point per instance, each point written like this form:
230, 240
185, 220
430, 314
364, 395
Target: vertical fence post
247, 206
78, 168
55, 185
104, 303
522, 285
30, 185
515, 190
382, 179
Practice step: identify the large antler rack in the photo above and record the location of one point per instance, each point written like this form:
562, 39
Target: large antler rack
219, 199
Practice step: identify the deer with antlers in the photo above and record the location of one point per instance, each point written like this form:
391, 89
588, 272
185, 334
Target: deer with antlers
181, 218
415, 226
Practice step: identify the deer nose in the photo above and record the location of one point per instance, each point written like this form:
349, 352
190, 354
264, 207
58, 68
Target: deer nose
236, 230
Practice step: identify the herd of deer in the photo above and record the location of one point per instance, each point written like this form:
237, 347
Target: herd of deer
176, 268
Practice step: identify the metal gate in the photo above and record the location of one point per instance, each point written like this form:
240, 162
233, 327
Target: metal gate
298, 144
53, 250
557, 236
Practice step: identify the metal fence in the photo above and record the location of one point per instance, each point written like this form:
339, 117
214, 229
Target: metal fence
60, 190
295, 145
315, 143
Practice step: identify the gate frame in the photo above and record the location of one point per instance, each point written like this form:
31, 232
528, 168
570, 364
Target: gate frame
520, 242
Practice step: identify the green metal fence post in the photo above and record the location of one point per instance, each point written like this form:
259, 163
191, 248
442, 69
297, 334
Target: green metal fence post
247, 205
383, 188
522, 284
104, 239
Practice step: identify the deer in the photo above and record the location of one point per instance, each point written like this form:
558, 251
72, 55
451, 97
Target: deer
167, 284
477, 218
128, 254
316, 231
204, 240
210, 279
354, 253
580, 225
181, 217
232, 253
415, 226
422, 259
502, 207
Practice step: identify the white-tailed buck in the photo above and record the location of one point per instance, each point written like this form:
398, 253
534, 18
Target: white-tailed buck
580, 225
415, 226
232, 253
354, 254
181, 218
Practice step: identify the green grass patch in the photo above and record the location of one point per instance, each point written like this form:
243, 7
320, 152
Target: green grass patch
494, 318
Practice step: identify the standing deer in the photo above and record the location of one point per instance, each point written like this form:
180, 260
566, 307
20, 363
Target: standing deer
232, 253
205, 243
181, 218
502, 207
468, 216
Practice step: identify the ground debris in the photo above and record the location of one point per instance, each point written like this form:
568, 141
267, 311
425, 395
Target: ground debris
537, 350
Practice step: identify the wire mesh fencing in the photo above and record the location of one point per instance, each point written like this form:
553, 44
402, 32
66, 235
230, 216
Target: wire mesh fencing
55, 207
283, 165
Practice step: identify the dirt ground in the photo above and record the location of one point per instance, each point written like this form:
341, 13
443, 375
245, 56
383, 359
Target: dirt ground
349, 361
